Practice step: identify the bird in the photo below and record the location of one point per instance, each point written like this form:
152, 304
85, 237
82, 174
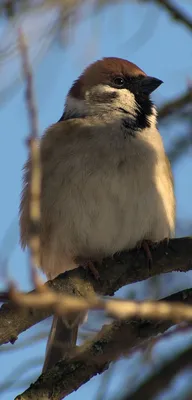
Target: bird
107, 183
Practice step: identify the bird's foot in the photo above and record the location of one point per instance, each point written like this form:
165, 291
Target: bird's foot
88, 264
147, 245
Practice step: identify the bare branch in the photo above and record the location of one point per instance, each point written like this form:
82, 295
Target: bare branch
180, 147
34, 149
176, 104
63, 304
161, 378
113, 341
122, 269
175, 12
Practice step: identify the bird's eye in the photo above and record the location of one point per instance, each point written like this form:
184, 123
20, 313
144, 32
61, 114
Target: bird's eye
119, 81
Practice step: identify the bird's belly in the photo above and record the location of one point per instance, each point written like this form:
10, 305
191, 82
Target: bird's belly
104, 216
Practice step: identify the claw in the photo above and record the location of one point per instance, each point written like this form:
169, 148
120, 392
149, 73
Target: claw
88, 264
93, 270
145, 245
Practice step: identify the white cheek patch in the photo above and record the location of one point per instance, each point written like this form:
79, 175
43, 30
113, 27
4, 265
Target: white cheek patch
127, 101
124, 98
75, 107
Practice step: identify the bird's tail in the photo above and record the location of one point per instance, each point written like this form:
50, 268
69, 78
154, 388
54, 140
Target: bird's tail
62, 339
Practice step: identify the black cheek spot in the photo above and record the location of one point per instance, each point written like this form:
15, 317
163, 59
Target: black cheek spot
105, 97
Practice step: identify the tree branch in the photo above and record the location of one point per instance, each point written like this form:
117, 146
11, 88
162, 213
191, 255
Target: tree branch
113, 341
180, 147
122, 269
34, 156
66, 305
172, 106
175, 12
162, 377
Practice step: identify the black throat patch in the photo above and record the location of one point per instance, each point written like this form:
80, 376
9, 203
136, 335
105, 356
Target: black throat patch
140, 121
144, 109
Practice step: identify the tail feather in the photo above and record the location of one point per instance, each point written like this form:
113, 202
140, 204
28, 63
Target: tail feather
60, 342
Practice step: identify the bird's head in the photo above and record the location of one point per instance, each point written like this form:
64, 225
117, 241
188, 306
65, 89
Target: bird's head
113, 87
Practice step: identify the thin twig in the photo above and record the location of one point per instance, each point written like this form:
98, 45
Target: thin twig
175, 12
162, 376
174, 105
34, 149
180, 147
63, 304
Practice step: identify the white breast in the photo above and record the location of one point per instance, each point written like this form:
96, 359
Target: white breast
114, 194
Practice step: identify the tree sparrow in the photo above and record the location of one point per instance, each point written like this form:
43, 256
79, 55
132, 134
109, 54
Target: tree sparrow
106, 181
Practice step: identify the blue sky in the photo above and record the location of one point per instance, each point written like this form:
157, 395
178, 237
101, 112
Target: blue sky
144, 34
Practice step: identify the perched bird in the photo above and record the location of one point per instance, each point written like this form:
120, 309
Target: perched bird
106, 181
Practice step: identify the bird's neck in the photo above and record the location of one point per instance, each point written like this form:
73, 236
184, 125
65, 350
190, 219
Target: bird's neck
76, 108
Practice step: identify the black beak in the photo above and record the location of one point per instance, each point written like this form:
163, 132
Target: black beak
148, 84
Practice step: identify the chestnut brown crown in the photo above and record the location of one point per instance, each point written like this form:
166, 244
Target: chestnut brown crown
105, 71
